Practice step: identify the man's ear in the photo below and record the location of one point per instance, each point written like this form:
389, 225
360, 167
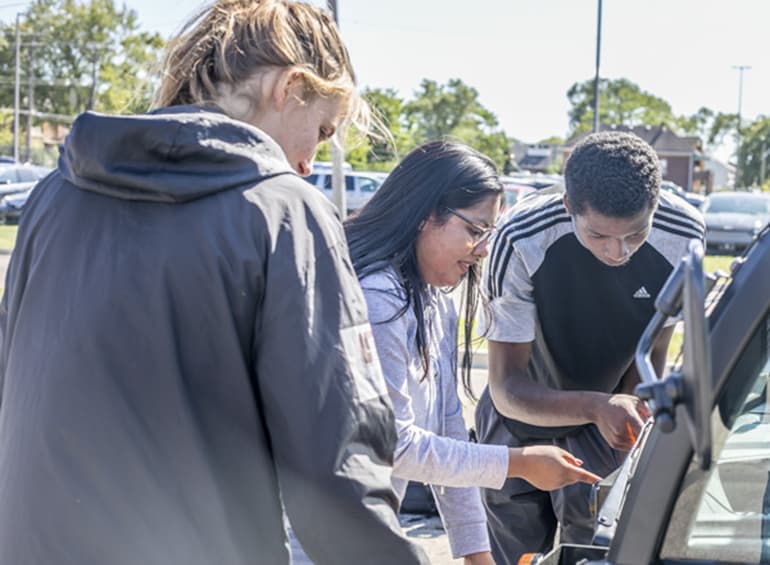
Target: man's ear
566, 204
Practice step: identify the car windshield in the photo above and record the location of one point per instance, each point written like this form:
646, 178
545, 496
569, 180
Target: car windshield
738, 204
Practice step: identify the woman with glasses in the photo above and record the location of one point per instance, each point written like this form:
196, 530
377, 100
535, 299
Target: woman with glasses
425, 231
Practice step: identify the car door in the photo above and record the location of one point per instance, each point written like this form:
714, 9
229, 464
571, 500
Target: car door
723, 515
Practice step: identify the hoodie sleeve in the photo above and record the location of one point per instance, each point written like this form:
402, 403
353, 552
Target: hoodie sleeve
421, 454
326, 409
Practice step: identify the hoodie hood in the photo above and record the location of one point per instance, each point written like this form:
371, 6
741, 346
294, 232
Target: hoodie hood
175, 154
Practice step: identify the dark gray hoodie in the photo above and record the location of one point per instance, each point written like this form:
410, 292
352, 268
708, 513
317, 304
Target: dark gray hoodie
185, 351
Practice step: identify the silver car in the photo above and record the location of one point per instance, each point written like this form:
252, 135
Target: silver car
733, 219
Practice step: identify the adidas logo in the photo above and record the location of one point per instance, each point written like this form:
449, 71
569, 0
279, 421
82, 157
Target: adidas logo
642, 293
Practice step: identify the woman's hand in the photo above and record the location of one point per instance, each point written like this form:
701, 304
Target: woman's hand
481, 558
547, 467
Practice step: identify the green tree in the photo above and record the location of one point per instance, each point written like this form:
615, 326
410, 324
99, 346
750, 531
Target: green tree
710, 126
82, 55
755, 140
621, 102
382, 149
389, 109
454, 111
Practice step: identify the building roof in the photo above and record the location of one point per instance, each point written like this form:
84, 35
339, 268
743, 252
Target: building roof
661, 138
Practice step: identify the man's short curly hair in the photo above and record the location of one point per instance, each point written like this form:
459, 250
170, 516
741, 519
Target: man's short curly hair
616, 174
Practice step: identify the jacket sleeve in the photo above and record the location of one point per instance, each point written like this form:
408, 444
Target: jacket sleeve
320, 388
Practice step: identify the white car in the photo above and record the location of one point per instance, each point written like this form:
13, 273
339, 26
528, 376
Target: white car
18, 177
360, 186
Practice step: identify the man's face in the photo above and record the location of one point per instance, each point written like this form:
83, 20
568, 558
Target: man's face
612, 240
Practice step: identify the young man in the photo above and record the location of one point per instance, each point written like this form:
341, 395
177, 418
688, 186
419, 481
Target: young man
572, 279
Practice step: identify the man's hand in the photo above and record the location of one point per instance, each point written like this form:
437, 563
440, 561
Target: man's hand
547, 467
620, 418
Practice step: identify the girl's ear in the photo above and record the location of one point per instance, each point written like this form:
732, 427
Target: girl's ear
287, 85
427, 221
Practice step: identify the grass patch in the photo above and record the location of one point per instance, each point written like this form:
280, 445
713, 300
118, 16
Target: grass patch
7, 237
713, 263
674, 347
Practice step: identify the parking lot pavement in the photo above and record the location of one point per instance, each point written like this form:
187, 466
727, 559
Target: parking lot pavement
428, 533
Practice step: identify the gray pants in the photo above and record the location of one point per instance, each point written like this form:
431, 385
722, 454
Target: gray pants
522, 519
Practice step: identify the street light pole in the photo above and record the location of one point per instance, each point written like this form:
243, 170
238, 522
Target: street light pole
31, 101
337, 150
596, 77
16, 94
740, 69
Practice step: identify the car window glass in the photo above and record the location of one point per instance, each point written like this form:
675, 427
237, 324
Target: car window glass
367, 185
327, 182
739, 205
312, 179
722, 515
350, 183
27, 175
8, 175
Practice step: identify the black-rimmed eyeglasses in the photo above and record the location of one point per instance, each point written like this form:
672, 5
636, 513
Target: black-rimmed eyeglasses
481, 233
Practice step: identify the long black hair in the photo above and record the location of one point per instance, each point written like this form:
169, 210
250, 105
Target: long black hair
430, 180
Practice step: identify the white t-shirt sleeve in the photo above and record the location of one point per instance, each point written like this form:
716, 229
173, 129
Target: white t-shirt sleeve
512, 315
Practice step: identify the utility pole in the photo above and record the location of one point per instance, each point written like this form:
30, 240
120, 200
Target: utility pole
738, 139
762, 163
337, 147
16, 94
31, 100
94, 84
598, 54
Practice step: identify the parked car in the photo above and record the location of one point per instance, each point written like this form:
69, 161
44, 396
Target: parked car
360, 186
514, 192
11, 206
691, 197
535, 180
16, 177
733, 219
517, 187
694, 488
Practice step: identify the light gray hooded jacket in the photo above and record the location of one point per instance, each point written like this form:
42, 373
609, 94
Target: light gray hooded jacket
185, 353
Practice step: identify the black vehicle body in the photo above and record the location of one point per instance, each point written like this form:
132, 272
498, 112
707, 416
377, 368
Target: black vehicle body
696, 486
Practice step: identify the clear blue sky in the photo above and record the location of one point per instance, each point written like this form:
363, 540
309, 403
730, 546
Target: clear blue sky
523, 55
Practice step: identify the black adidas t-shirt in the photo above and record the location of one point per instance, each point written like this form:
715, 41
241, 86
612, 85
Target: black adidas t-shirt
583, 317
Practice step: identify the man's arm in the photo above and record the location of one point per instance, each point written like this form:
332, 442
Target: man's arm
619, 417
516, 396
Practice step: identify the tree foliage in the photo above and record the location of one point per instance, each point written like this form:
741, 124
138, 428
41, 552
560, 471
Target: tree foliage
710, 126
450, 111
621, 102
81, 54
454, 111
755, 140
